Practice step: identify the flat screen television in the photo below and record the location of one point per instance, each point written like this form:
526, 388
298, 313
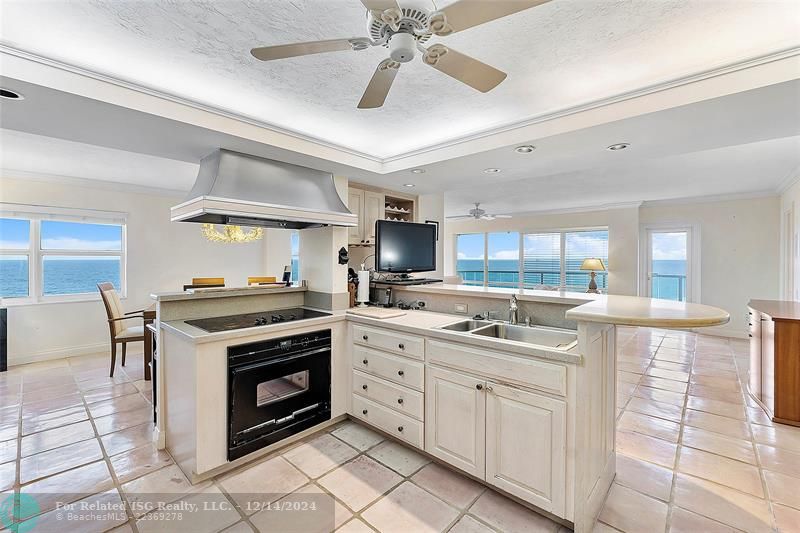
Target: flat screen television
405, 247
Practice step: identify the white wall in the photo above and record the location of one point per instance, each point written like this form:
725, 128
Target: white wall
739, 246
161, 256
431, 207
790, 242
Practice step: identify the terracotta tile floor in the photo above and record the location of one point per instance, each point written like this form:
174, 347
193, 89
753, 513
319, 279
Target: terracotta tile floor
694, 455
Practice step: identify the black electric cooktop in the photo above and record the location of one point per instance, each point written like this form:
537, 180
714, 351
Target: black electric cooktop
251, 320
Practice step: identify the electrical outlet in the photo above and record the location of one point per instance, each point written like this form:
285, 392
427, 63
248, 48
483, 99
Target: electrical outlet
461, 308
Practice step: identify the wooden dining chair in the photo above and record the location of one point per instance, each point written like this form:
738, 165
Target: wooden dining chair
205, 283
255, 280
120, 334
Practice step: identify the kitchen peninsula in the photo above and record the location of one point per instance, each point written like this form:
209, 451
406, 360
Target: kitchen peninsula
533, 419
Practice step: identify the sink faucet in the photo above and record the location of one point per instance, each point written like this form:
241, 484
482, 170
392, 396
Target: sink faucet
513, 311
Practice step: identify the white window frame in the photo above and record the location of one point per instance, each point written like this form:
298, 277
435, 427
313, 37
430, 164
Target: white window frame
35, 215
693, 262
522, 232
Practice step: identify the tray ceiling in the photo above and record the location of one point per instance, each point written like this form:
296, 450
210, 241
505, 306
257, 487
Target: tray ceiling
558, 56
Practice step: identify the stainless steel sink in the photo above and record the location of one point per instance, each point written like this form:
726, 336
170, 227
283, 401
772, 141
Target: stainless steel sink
555, 338
466, 325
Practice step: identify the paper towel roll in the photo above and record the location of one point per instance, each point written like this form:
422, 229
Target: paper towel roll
363, 287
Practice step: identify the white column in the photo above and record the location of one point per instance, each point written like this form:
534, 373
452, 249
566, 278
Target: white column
623, 250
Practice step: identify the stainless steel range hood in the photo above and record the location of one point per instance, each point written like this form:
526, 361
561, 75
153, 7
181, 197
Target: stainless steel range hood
245, 190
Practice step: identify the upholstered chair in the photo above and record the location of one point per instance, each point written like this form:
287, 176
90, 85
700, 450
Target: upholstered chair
121, 332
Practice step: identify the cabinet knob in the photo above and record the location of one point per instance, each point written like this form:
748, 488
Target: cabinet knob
400, 373
364, 387
364, 412
400, 401
365, 362
750, 335
365, 337
400, 429
479, 386
401, 346
489, 388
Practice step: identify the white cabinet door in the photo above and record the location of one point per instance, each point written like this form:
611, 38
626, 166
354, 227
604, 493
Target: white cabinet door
526, 438
373, 211
455, 419
355, 202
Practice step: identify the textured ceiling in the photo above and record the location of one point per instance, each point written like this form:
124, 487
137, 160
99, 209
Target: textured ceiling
559, 55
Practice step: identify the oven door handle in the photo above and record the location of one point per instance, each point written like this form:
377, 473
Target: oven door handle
261, 364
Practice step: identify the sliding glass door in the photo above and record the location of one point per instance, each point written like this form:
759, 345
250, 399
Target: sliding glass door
669, 264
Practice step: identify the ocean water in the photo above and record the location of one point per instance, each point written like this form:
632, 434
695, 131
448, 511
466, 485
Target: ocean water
60, 276
669, 281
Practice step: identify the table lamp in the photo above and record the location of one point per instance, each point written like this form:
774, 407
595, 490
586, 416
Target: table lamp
593, 263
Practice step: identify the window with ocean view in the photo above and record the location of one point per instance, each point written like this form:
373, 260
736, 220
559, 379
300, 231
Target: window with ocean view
548, 260
43, 258
295, 240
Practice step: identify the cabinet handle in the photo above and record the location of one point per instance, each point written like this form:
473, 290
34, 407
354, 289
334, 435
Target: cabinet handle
489, 388
365, 362
400, 429
400, 373
479, 386
364, 412
400, 401
365, 337
364, 387
750, 335
401, 346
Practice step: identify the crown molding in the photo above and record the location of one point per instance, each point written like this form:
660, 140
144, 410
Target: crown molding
115, 186
566, 210
765, 193
478, 135
789, 180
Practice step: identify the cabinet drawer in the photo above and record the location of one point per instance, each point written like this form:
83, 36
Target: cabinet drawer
393, 423
397, 369
507, 368
397, 397
409, 345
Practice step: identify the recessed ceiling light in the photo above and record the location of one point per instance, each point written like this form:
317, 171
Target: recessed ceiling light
10, 95
618, 146
525, 149
409, 185
418, 171
491, 170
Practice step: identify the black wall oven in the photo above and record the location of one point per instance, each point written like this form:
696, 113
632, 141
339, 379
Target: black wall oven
277, 388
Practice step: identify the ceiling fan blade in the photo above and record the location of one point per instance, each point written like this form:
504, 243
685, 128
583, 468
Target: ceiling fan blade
465, 14
464, 68
502, 216
282, 51
380, 5
378, 88
460, 217
487, 217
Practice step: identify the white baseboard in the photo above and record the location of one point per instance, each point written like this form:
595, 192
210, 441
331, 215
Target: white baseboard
60, 353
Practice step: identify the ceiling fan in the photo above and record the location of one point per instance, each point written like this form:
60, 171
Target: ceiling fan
404, 31
478, 214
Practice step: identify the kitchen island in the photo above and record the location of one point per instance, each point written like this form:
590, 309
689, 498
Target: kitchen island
535, 421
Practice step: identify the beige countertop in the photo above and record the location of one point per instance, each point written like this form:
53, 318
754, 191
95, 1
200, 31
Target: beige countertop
222, 292
524, 295
777, 309
652, 312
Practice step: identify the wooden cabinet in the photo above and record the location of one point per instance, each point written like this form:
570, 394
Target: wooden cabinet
455, 415
775, 359
355, 202
526, 440
368, 206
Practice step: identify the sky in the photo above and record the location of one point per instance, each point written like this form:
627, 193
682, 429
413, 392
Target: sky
506, 245
56, 235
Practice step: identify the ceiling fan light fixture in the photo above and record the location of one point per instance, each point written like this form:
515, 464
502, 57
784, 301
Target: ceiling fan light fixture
525, 149
491, 170
618, 146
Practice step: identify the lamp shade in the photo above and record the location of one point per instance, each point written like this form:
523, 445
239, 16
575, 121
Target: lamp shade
593, 263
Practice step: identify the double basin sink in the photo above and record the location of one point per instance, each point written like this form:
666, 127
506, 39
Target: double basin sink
547, 337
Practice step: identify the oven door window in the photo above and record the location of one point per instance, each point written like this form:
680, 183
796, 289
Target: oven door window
276, 390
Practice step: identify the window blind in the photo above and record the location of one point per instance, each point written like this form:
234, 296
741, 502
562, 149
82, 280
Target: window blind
542, 260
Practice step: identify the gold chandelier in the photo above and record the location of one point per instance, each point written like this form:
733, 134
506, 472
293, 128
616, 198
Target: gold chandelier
231, 234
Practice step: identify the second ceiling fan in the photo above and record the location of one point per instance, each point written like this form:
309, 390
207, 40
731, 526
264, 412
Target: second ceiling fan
404, 30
